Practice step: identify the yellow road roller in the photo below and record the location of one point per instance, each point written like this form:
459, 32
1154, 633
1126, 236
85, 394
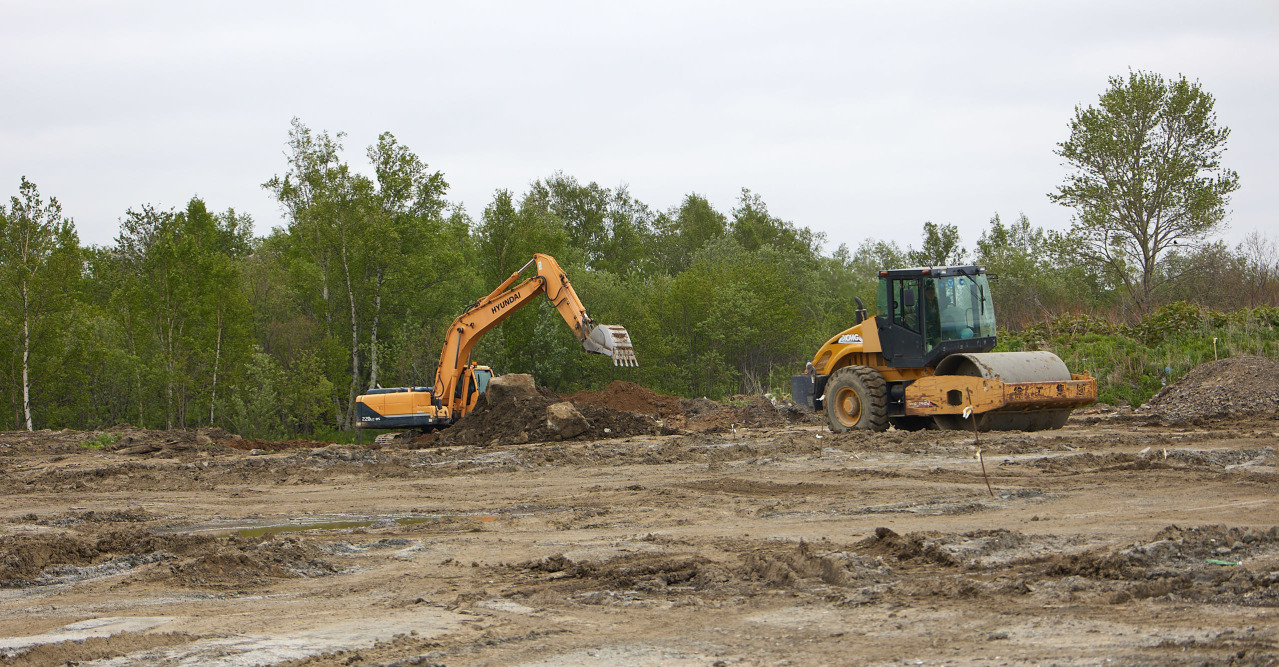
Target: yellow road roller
925, 361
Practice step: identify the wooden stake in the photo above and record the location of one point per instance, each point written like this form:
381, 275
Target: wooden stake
983, 473
968, 413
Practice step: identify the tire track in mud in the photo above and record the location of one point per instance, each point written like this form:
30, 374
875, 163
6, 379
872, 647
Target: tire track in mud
1174, 565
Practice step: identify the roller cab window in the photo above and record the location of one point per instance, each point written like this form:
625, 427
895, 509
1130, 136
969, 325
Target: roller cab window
963, 308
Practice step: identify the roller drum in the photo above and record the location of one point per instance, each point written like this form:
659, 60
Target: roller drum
1008, 367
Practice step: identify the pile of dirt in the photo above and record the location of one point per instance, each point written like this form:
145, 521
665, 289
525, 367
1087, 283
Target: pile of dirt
513, 413
239, 561
628, 396
1205, 564
503, 417
700, 415
749, 569
1227, 388
122, 439
762, 411
1157, 459
259, 446
89, 649
65, 519
45, 559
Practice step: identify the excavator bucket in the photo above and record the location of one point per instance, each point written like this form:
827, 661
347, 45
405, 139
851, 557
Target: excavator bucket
614, 341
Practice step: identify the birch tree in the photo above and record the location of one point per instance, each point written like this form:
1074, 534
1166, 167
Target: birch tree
406, 215
38, 256
179, 298
326, 203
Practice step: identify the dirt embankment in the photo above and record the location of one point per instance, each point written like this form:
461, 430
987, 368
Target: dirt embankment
622, 409
1245, 386
699, 415
1240, 387
77, 546
124, 439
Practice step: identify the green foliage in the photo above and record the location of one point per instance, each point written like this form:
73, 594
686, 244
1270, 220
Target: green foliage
753, 227
939, 247
1146, 175
1032, 276
606, 229
1132, 362
372, 263
174, 291
39, 285
273, 400
187, 320
102, 440
685, 230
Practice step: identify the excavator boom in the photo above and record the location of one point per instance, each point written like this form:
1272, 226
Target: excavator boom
458, 381
610, 340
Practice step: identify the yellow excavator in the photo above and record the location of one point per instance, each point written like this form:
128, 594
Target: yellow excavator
459, 382
925, 361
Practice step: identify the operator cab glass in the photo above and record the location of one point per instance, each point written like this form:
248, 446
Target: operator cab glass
926, 314
482, 377
963, 308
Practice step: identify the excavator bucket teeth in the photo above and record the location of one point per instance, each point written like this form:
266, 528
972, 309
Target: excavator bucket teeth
612, 340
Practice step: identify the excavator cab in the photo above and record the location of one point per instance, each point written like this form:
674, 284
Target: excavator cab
475, 379
927, 314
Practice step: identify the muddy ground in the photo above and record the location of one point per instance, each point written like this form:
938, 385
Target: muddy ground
736, 534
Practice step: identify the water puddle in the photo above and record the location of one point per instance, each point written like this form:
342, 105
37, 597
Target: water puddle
274, 527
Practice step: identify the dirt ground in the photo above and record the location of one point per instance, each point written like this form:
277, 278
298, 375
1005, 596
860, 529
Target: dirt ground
689, 533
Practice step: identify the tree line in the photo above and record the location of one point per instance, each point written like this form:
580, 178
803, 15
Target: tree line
189, 320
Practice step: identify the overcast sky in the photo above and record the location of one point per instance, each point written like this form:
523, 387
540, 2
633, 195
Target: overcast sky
857, 119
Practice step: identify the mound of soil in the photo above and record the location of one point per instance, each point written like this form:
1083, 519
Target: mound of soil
622, 409
195, 560
122, 439
699, 414
515, 419
45, 559
238, 562
1201, 564
628, 396
1227, 388
763, 411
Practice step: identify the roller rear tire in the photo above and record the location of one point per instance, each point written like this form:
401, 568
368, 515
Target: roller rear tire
856, 398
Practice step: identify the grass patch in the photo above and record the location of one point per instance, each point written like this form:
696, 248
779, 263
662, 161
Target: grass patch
1132, 363
101, 441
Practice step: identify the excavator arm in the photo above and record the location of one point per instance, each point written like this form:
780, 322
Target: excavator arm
486, 313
